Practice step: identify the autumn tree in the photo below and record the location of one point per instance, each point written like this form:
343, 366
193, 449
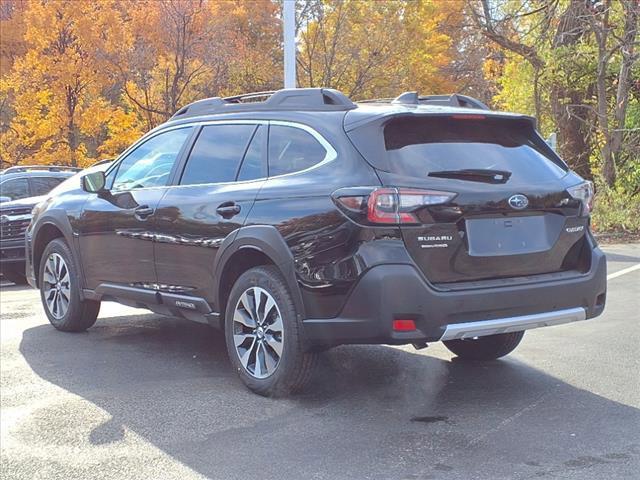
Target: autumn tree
183, 50
615, 33
375, 49
579, 56
57, 85
13, 27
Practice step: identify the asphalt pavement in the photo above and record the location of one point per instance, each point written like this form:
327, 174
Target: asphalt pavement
140, 396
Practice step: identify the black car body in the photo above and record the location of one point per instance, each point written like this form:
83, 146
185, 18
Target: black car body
21, 188
406, 222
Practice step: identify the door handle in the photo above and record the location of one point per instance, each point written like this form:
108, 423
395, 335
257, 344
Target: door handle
228, 209
143, 211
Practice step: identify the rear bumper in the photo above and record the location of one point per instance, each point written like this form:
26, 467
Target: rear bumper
399, 291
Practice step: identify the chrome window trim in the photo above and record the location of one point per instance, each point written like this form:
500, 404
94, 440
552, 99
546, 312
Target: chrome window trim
330, 155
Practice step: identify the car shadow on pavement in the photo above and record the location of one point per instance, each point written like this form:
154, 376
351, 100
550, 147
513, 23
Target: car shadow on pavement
370, 411
12, 287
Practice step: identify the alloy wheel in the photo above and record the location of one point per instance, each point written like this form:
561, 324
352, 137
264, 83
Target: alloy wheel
56, 285
258, 332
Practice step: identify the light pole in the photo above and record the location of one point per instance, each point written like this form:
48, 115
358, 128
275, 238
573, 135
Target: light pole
289, 24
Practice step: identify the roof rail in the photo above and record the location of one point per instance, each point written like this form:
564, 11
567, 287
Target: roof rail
49, 168
453, 100
318, 99
249, 96
412, 98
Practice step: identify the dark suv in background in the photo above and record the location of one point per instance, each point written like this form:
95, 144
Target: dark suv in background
21, 188
305, 221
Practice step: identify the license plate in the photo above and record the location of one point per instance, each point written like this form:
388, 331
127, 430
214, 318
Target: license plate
512, 235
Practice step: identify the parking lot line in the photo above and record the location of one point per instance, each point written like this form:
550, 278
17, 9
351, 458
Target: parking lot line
623, 271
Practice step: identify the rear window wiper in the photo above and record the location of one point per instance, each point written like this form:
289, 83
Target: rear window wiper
474, 175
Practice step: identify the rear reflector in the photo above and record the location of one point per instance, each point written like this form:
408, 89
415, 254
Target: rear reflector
404, 325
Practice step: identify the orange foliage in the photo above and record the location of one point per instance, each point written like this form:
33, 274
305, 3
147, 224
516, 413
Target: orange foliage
82, 79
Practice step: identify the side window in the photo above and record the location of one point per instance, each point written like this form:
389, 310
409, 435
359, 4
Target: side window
43, 185
216, 154
15, 189
150, 164
253, 164
292, 149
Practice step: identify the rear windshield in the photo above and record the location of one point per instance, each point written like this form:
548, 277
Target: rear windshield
420, 146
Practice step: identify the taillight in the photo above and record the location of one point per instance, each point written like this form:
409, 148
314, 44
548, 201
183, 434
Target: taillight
583, 192
392, 205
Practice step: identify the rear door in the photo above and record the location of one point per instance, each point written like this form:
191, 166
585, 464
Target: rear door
511, 214
217, 186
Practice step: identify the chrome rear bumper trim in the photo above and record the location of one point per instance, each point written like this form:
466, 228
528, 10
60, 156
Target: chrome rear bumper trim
512, 324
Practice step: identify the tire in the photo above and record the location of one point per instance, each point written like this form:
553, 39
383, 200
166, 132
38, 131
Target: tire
14, 275
485, 348
79, 314
254, 342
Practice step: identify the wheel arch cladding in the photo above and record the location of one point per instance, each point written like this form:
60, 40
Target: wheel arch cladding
251, 247
46, 232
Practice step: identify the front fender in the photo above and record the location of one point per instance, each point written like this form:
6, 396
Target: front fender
39, 235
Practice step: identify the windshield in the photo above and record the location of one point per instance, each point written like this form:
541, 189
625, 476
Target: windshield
421, 146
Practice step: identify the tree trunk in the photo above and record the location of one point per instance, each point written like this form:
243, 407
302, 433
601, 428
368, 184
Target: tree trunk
72, 141
614, 142
573, 144
573, 131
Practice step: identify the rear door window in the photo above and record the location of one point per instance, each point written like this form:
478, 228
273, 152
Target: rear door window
424, 146
43, 185
292, 149
217, 153
253, 164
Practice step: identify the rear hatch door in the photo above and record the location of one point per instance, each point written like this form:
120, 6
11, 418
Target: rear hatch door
511, 215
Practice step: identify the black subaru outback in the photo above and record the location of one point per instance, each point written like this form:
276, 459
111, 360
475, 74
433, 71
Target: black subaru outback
305, 221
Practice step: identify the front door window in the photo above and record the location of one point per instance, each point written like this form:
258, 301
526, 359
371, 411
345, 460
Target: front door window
150, 164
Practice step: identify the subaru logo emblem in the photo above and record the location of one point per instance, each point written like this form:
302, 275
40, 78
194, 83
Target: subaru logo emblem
518, 201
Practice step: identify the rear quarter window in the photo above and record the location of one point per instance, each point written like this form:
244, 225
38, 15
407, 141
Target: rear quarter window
292, 149
419, 146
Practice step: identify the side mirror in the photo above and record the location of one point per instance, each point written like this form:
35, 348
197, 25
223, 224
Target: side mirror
94, 182
5, 199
